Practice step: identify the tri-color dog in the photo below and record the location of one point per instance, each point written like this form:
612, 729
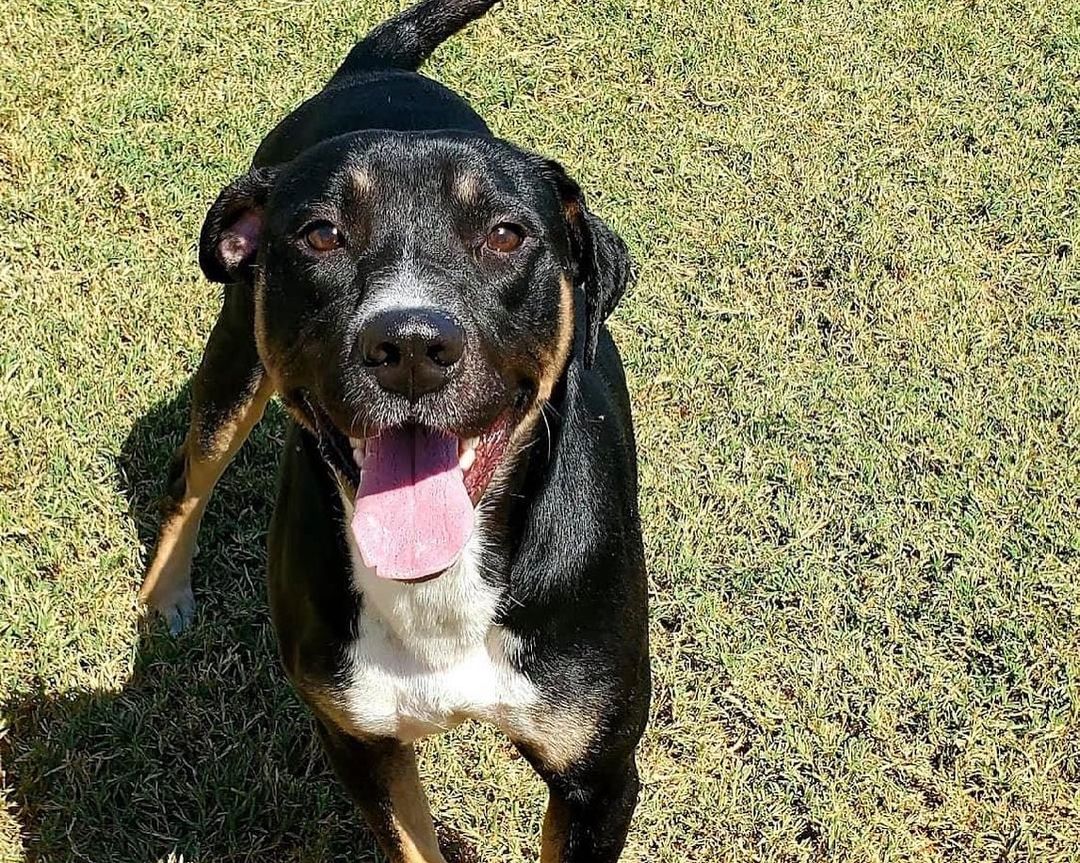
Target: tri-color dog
456, 532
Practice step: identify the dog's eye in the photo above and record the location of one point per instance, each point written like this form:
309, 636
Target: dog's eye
322, 236
505, 238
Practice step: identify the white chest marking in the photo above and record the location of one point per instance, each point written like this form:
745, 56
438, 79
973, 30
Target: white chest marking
427, 656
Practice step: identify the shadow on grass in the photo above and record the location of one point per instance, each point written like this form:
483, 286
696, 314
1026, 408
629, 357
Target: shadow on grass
205, 752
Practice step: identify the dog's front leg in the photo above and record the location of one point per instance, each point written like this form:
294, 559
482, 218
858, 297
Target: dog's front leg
228, 396
590, 804
381, 776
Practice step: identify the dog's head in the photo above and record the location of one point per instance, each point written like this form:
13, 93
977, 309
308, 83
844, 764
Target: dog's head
415, 306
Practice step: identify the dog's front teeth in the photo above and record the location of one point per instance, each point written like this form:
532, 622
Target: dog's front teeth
467, 453
466, 459
359, 449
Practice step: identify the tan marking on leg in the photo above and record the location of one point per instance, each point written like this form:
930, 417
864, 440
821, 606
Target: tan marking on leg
407, 832
410, 815
558, 738
326, 701
556, 831
169, 575
380, 775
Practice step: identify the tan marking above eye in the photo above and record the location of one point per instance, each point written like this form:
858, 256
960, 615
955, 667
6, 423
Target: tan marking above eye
362, 181
505, 237
323, 237
467, 187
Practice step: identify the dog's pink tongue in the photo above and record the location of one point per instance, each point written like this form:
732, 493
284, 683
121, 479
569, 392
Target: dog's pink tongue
413, 515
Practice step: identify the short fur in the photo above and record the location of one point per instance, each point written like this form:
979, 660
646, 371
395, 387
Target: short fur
540, 626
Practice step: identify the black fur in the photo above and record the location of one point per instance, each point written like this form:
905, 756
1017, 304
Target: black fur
407, 40
382, 153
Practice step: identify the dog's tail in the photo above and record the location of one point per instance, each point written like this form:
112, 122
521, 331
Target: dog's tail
407, 40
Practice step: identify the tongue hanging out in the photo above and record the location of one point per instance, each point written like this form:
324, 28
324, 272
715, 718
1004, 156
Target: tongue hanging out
412, 513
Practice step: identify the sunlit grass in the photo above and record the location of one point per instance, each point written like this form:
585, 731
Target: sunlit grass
853, 351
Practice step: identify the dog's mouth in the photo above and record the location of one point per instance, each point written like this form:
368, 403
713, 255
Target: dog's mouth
415, 490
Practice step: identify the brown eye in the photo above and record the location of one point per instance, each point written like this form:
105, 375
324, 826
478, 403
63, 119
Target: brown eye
323, 237
504, 238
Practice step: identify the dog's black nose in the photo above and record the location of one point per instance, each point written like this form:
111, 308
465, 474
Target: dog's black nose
412, 351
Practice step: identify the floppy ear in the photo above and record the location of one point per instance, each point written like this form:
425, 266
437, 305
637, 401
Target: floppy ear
601, 262
233, 228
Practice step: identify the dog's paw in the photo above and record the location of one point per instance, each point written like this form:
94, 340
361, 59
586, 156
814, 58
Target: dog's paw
177, 609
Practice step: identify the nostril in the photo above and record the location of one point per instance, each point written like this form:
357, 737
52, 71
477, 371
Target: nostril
448, 347
443, 355
411, 351
382, 354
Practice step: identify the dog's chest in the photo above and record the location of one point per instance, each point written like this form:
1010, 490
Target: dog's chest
427, 656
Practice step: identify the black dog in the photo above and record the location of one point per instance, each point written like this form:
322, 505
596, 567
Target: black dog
456, 533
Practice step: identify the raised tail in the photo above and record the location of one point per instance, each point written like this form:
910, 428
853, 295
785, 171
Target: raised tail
408, 39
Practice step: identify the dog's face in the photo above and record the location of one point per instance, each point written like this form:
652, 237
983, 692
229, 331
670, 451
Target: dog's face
414, 304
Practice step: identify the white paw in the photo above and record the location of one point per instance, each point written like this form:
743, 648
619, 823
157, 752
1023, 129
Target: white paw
178, 609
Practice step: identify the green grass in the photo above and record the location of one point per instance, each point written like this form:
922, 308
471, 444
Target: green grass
854, 353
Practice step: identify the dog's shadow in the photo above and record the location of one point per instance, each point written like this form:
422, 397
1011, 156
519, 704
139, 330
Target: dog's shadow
205, 753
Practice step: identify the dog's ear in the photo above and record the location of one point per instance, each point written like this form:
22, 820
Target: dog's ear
233, 228
601, 262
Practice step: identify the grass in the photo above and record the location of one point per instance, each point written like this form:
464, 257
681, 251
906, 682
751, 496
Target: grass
853, 351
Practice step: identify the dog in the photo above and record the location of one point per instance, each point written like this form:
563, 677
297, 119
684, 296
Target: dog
456, 532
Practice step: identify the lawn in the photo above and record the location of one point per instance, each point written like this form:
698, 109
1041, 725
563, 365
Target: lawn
853, 351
